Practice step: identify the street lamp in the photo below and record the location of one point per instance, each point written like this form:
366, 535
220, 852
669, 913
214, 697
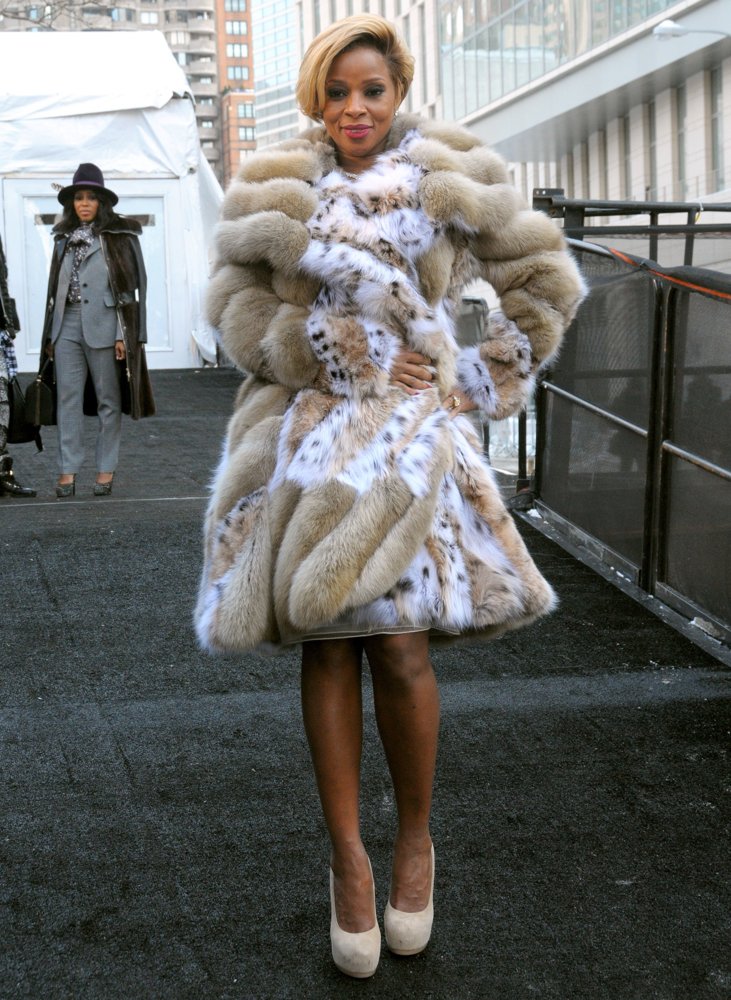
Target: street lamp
671, 29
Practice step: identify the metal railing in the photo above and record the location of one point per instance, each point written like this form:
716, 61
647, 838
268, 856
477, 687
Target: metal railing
633, 451
577, 213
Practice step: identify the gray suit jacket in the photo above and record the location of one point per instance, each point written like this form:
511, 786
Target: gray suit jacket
98, 313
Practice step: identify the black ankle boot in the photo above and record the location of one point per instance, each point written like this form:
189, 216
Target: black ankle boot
9, 484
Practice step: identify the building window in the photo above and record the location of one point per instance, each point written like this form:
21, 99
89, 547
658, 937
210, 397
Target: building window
247, 133
426, 64
627, 156
570, 186
718, 178
237, 28
652, 189
681, 111
237, 50
245, 110
234, 5
148, 17
178, 38
119, 14
237, 72
207, 123
182, 58
584, 169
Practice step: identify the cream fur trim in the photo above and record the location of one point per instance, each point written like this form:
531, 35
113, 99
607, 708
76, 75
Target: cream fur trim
272, 237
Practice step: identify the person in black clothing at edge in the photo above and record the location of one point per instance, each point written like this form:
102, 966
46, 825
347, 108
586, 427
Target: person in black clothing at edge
9, 326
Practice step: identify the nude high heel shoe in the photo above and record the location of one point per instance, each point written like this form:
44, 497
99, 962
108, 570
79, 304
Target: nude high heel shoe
356, 955
409, 933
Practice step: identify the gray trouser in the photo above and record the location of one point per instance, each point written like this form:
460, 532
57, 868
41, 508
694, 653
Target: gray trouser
73, 359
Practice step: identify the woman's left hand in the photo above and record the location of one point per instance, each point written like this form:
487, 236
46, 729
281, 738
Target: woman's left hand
120, 352
457, 402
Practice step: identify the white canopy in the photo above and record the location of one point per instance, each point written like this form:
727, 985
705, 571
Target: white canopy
118, 99
121, 94
54, 74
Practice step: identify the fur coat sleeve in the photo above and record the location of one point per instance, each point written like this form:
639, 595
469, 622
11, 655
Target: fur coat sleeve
519, 252
260, 298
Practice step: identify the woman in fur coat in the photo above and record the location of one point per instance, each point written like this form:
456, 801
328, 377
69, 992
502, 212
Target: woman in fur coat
352, 510
95, 325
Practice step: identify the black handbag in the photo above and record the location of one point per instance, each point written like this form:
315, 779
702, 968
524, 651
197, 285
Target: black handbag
40, 397
20, 430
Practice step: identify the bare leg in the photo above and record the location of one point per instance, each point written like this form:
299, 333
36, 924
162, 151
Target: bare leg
407, 712
332, 710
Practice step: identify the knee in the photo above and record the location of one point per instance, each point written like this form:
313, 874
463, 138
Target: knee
401, 662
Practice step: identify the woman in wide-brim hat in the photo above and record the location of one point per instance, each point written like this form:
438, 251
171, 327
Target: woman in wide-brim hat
95, 325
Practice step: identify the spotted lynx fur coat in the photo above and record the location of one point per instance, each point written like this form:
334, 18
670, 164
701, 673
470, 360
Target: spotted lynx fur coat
342, 505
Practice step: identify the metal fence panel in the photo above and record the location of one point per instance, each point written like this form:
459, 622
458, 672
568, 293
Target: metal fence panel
594, 451
696, 559
634, 429
697, 563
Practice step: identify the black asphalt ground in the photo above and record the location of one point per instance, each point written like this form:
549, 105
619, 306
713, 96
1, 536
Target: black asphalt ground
159, 832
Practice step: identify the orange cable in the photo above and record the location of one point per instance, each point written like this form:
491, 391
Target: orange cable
668, 277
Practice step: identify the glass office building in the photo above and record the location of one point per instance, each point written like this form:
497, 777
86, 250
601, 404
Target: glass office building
491, 48
277, 52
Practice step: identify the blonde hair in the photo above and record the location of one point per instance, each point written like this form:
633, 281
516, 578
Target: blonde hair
366, 30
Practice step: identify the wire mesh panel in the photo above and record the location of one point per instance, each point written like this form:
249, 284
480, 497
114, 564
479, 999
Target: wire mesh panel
594, 456
697, 564
697, 552
606, 357
700, 417
583, 482
634, 437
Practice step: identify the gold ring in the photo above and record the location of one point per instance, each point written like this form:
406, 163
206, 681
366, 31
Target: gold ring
456, 402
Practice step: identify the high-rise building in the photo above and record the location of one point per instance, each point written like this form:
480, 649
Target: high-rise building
236, 81
277, 54
210, 40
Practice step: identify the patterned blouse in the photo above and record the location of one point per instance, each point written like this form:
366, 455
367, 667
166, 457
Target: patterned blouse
79, 244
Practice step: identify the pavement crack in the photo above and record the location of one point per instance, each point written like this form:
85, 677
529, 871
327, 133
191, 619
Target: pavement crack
125, 761
47, 585
69, 765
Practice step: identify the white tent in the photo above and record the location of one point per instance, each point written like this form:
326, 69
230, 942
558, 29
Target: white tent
120, 100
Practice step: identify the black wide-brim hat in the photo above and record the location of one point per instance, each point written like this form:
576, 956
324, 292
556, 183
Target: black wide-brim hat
89, 177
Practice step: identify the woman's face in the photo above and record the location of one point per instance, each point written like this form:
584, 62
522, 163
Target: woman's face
86, 204
360, 102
